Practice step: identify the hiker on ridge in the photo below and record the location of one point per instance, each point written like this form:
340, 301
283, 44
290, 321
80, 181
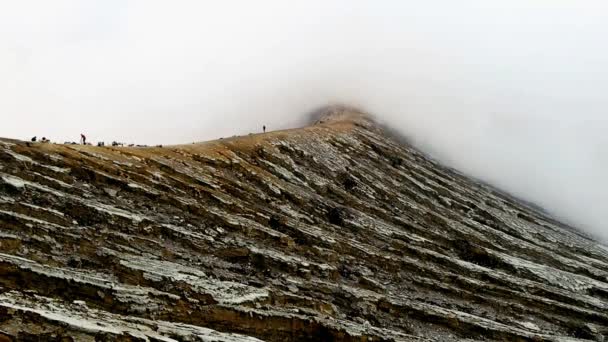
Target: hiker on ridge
83, 139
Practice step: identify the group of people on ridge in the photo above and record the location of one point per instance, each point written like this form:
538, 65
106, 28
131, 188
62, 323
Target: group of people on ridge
83, 140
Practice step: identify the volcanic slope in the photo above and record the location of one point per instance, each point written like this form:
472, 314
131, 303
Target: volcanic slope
333, 232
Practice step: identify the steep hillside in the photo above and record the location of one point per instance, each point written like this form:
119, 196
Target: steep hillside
330, 232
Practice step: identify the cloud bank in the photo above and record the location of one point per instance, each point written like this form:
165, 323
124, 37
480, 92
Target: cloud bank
510, 92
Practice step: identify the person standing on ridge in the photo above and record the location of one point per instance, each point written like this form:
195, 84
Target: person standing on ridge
83, 139
264, 128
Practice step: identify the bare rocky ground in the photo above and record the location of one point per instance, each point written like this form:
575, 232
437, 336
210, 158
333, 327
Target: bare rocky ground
334, 232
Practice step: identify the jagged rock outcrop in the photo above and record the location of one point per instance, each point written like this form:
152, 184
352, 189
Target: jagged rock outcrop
333, 232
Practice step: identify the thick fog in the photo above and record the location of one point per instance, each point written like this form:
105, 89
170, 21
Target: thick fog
512, 92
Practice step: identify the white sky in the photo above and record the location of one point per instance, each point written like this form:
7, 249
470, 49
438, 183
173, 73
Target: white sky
510, 91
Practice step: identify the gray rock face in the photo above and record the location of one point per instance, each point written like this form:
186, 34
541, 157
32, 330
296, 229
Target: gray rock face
334, 232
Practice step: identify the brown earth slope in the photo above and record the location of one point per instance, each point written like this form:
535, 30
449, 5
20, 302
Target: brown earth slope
333, 232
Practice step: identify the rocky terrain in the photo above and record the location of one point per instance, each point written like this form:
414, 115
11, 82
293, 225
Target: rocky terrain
333, 232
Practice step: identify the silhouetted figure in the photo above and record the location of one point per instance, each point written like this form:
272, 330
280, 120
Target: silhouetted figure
264, 128
34, 139
83, 139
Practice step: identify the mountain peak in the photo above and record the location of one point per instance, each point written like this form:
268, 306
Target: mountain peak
338, 113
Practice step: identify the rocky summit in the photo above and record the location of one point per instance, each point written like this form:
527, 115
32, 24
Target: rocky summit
333, 232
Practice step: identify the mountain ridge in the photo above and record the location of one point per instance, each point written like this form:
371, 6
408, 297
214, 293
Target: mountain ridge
335, 231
